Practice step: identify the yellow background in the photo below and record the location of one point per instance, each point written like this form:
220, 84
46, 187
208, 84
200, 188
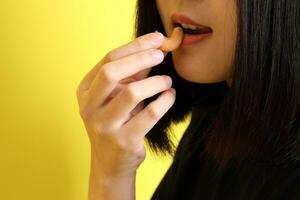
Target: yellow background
46, 48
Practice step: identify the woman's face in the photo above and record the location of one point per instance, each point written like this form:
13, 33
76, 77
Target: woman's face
210, 60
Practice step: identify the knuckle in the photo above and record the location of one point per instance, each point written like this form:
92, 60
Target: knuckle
141, 44
109, 56
107, 74
131, 93
85, 113
153, 112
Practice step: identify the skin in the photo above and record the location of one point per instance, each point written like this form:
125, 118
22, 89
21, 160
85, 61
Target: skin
111, 104
111, 95
209, 61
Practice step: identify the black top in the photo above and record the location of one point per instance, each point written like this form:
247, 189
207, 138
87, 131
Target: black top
191, 177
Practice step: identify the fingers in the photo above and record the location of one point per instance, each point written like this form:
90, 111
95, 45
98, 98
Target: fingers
131, 95
144, 121
144, 42
111, 73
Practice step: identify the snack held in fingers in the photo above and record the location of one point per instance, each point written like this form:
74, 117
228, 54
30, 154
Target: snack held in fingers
174, 41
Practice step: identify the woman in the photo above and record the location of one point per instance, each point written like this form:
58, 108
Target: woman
241, 82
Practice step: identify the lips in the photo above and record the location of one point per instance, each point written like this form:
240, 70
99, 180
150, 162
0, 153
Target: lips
198, 30
178, 19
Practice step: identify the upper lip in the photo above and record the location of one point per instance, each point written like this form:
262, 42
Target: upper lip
182, 19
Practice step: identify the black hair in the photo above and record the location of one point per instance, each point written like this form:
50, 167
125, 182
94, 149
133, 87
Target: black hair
258, 115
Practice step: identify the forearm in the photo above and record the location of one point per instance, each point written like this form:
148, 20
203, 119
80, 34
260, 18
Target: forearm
101, 187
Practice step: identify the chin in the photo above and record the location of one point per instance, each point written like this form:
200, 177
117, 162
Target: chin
197, 75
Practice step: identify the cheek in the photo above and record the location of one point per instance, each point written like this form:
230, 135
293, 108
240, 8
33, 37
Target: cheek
165, 9
206, 66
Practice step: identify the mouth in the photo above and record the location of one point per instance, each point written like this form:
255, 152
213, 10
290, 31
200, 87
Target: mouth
193, 30
189, 26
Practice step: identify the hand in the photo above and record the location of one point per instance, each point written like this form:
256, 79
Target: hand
111, 101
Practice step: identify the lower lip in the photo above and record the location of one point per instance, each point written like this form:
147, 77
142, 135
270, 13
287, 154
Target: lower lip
193, 39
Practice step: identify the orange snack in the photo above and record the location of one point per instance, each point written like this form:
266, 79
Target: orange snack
174, 41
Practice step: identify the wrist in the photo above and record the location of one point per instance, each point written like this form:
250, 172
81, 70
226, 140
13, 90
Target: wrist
109, 186
115, 188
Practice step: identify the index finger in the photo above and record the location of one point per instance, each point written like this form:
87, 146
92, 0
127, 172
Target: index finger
144, 42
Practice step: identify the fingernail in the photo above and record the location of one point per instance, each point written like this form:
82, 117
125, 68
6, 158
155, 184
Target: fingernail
168, 79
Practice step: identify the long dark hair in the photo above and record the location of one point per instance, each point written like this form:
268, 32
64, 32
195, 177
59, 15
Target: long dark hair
258, 115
